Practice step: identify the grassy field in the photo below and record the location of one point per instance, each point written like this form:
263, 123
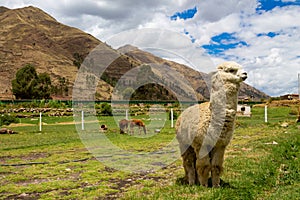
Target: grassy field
262, 162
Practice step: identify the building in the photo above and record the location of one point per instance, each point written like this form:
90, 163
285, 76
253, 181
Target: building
290, 97
244, 110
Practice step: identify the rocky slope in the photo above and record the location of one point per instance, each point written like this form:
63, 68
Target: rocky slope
30, 36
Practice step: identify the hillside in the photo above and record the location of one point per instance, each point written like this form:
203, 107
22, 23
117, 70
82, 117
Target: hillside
31, 36
195, 78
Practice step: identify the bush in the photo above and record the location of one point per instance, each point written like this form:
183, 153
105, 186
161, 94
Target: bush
54, 104
105, 109
7, 120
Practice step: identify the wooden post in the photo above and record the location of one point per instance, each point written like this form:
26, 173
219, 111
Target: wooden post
126, 114
298, 120
266, 113
172, 118
40, 124
82, 120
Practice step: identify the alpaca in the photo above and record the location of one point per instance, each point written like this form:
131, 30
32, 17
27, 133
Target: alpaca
123, 124
203, 131
138, 123
103, 128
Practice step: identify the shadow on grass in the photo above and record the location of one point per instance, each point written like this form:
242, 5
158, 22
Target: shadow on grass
223, 184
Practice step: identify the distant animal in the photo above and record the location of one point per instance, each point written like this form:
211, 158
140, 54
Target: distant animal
6, 131
203, 131
123, 124
103, 127
139, 123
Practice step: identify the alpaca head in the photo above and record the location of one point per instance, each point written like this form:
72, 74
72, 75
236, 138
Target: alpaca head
226, 83
231, 72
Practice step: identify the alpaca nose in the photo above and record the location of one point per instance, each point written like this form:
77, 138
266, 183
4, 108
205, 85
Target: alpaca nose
244, 76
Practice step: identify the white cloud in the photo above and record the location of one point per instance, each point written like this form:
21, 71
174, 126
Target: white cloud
278, 19
272, 62
216, 10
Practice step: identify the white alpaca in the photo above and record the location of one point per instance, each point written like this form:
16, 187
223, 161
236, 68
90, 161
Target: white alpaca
203, 131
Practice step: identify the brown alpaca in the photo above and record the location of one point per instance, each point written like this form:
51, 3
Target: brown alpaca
139, 123
203, 131
123, 124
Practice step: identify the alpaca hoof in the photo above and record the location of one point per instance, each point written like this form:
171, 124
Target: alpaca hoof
191, 182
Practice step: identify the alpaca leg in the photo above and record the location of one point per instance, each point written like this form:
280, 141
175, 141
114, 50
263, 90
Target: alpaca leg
126, 129
189, 161
217, 165
131, 130
203, 168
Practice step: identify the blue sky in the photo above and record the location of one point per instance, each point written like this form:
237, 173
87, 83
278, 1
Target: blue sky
225, 44
225, 41
267, 5
187, 14
261, 35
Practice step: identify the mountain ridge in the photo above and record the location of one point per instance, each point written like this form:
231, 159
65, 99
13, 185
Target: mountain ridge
198, 80
31, 36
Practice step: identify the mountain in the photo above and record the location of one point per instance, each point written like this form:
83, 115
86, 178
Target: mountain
31, 36
196, 79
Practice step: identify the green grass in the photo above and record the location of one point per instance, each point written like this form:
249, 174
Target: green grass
262, 162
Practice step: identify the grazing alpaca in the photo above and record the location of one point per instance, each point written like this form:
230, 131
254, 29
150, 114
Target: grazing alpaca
138, 123
203, 131
123, 124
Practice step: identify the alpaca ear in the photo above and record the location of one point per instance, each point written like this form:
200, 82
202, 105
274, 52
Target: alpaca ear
220, 67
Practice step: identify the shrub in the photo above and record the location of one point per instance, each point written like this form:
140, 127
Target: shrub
7, 120
105, 109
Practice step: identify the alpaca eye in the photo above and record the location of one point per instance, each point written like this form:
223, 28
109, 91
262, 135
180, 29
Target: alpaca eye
232, 71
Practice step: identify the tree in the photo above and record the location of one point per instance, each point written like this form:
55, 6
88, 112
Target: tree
29, 85
43, 87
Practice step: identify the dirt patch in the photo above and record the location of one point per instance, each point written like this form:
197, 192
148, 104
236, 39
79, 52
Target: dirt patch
27, 157
24, 196
122, 184
35, 156
71, 123
32, 181
21, 125
5, 158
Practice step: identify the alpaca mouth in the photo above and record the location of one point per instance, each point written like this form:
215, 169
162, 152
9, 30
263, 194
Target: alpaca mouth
244, 78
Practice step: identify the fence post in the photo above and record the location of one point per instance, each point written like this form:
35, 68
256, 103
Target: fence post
40, 124
172, 117
266, 113
82, 120
126, 114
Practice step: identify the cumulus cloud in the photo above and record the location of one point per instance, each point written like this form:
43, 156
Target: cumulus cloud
266, 41
216, 10
272, 56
